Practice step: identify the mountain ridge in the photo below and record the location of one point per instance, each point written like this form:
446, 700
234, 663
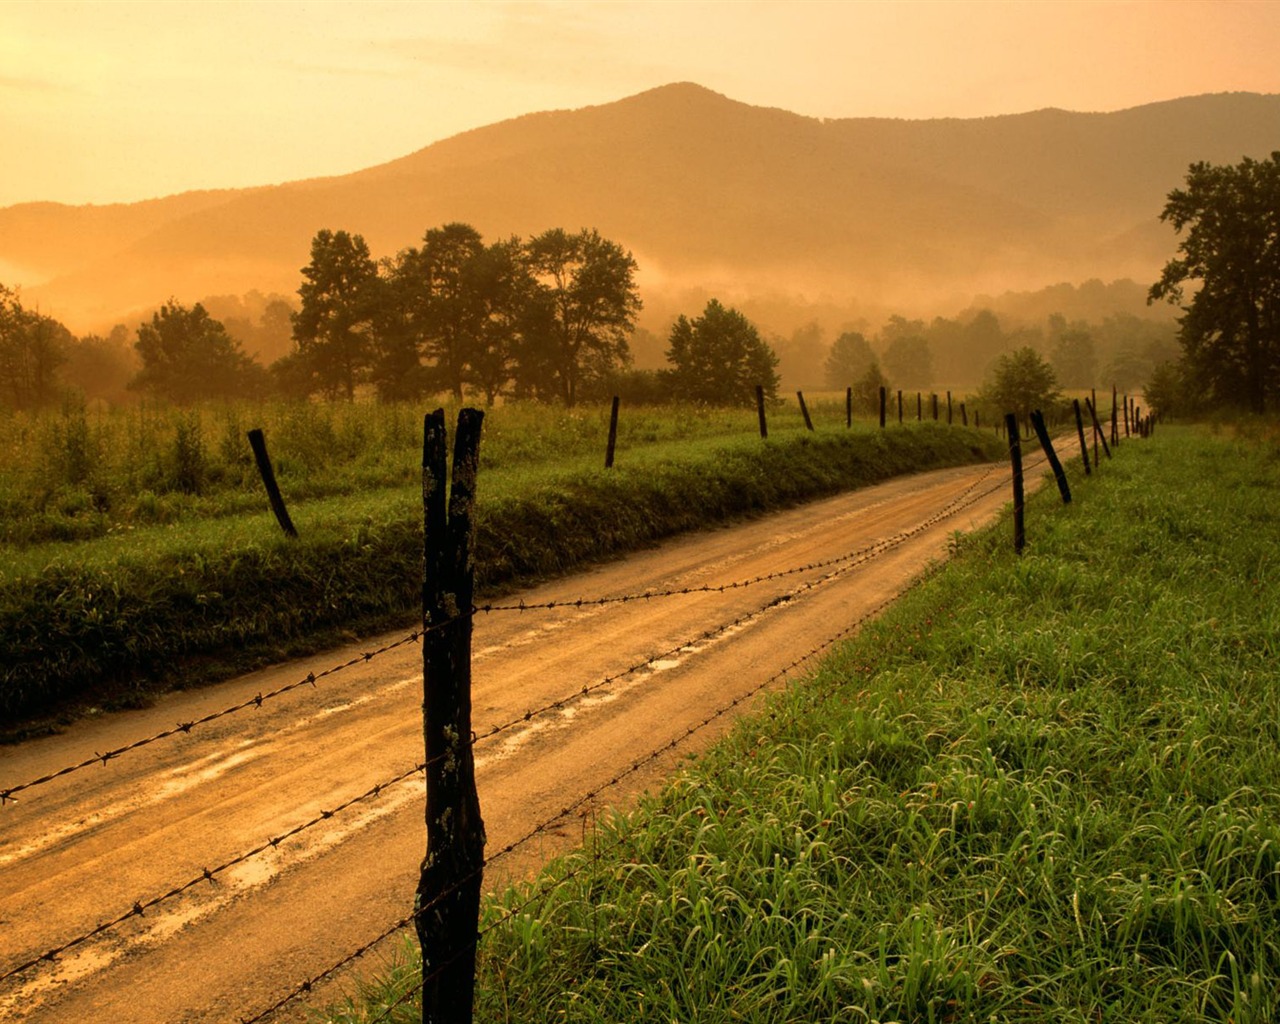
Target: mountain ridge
705, 190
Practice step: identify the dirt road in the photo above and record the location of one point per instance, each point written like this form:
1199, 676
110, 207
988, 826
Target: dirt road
86, 847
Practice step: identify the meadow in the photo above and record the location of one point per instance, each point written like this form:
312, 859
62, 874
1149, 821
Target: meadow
139, 553
1043, 787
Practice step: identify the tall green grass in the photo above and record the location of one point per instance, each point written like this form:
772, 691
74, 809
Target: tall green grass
1043, 788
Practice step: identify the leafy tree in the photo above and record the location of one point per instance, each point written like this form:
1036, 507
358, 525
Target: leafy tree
848, 359
719, 358
907, 357
586, 304
32, 348
1073, 357
503, 284
1022, 381
1230, 331
187, 355
866, 392
102, 367
341, 296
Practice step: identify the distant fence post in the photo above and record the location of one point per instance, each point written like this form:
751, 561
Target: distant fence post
1115, 419
1126, 416
259, 445
933, 400
1097, 428
804, 411
613, 434
764, 426
899, 405
882, 399
948, 408
1015, 463
1084, 445
919, 408
964, 417
976, 425
1042, 432
447, 909
848, 407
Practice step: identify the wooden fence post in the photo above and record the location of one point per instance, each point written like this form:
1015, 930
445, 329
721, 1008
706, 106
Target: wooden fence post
1098, 432
1015, 463
1115, 419
447, 909
899, 406
613, 434
1084, 445
919, 408
1042, 432
259, 445
1126, 416
948, 408
964, 416
933, 399
804, 410
764, 427
848, 407
882, 400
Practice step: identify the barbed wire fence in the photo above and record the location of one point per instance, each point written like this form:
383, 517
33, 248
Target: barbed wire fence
839, 565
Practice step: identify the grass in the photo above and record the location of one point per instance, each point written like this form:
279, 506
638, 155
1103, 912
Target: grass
1039, 788
142, 607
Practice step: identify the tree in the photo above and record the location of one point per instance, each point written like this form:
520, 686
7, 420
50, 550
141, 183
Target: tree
1021, 381
587, 304
719, 358
32, 348
1230, 331
907, 357
866, 390
187, 355
503, 284
341, 296
848, 359
1073, 357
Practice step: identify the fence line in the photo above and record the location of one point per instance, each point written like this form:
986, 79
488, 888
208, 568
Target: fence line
854, 559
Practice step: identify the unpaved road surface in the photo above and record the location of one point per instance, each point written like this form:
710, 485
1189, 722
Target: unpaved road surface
84, 848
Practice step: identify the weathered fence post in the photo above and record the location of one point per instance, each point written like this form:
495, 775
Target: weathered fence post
1084, 445
1015, 463
848, 407
1126, 416
899, 406
933, 399
1115, 418
1098, 432
259, 445
919, 408
948, 408
447, 909
764, 427
613, 434
964, 416
1042, 432
804, 410
882, 400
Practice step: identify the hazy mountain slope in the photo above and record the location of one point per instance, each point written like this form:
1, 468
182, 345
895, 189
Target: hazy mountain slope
705, 191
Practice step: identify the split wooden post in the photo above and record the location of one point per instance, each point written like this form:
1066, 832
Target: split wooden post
613, 434
882, 400
804, 410
764, 426
259, 445
447, 908
1015, 463
1084, 445
1042, 433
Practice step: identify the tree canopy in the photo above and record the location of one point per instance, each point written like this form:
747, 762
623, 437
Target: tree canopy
848, 359
187, 355
1230, 330
1022, 381
32, 347
719, 358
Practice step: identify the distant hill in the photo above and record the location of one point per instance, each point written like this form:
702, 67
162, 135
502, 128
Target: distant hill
709, 194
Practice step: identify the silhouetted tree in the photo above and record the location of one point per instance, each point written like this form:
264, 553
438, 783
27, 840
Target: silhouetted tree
848, 359
187, 355
719, 358
1230, 331
906, 355
866, 390
1021, 381
1073, 354
32, 348
341, 296
587, 304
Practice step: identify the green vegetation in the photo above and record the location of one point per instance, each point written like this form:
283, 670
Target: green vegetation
1039, 788
141, 552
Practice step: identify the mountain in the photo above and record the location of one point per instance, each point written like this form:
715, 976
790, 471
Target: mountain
707, 192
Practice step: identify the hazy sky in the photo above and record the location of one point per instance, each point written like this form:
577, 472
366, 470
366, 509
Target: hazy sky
117, 101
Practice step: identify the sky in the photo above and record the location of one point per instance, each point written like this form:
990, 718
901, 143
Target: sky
120, 101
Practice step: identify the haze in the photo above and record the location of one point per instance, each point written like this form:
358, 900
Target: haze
120, 102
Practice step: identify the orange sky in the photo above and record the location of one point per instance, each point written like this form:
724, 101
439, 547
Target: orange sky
108, 102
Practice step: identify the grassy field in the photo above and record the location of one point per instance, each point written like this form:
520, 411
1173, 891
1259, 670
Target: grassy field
152, 588
1039, 788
